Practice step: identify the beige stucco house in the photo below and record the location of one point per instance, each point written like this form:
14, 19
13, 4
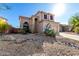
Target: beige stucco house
38, 22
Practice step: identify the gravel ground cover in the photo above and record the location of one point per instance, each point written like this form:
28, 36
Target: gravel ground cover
37, 45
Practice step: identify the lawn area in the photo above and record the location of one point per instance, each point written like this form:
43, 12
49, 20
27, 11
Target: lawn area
37, 45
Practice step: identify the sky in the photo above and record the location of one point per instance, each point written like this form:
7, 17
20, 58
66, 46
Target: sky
62, 12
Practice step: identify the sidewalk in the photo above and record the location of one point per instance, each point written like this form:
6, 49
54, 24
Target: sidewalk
75, 37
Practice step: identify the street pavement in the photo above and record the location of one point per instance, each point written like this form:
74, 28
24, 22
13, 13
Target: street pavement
71, 36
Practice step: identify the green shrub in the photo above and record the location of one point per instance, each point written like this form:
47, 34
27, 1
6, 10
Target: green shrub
50, 32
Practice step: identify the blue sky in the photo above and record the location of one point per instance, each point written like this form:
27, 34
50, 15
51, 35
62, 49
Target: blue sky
28, 9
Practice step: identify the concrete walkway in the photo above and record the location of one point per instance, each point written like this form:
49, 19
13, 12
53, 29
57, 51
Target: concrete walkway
75, 37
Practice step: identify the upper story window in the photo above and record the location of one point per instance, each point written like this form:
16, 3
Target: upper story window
45, 16
51, 17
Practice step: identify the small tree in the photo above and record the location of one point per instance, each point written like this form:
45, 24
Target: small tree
3, 26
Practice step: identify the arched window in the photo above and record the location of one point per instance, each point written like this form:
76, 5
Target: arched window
26, 25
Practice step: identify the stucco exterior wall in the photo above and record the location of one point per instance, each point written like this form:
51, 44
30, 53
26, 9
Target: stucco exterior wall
53, 25
32, 24
40, 27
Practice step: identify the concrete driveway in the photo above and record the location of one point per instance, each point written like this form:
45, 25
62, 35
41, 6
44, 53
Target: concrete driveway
75, 37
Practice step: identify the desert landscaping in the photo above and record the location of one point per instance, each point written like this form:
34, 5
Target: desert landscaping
37, 45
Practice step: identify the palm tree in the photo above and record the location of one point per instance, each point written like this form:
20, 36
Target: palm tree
74, 23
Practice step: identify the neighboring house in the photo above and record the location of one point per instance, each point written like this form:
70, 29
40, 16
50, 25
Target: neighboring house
38, 22
65, 28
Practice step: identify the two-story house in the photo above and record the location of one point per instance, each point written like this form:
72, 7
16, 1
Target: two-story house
37, 23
